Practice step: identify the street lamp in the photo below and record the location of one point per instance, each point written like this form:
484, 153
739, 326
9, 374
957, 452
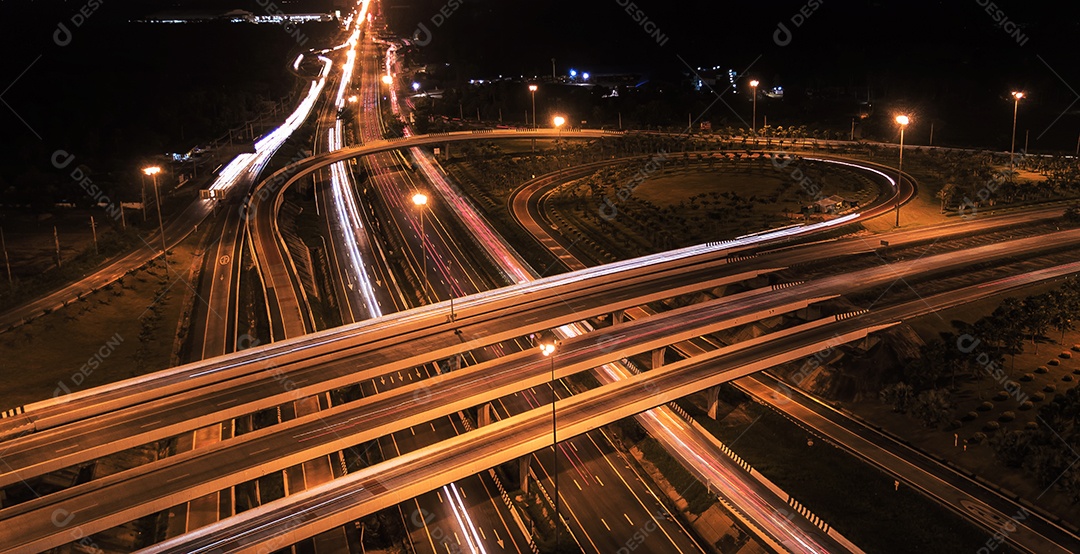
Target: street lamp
902, 121
387, 80
753, 123
420, 199
152, 172
548, 350
1016, 106
559, 121
532, 91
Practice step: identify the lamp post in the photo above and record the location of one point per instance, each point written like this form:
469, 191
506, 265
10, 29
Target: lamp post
753, 123
420, 199
153, 172
903, 121
1016, 107
558, 121
532, 91
548, 349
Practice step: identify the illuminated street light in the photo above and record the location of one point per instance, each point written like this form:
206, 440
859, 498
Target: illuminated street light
415, 86
902, 121
559, 121
532, 91
420, 200
548, 350
153, 172
386, 79
1016, 106
753, 123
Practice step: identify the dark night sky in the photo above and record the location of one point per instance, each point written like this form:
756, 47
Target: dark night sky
948, 59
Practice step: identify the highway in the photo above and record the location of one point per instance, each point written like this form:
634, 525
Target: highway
963, 494
595, 294
821, 287
375, 487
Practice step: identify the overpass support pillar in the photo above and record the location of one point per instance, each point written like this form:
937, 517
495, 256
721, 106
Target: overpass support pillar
658, 356
485, 415
446, 151
618, 316
523, 472
712, 394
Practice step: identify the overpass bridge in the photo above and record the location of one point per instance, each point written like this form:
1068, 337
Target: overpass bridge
382, 485
194, 472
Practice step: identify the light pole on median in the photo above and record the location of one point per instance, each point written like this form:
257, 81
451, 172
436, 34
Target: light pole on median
753, 123
420, 199
548, 349
532, 91
903, 121
1016, 107
559, 121
153, 172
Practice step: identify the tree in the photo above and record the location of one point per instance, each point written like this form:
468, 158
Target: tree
932, 407
1062, 303
1013, 448
899, 396
1036, 317
945, 194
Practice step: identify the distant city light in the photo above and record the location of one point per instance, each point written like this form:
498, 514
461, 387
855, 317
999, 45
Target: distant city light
415, 86
573, 73
585, 76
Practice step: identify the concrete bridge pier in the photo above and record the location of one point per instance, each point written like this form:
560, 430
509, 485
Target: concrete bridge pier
712, 394
658, 357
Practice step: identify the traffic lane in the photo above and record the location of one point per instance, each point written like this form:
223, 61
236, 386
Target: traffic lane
883, 274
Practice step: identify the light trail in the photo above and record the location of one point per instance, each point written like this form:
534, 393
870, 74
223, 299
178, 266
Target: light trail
514, 268
250, 165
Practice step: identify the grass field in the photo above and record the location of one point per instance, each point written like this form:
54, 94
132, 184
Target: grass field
118, 332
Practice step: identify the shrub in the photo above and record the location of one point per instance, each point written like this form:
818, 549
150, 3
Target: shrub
1050, 388
1076, 348
980, 436
986, 406
1038, 397
1006, 417
1053, 362
1066, 378
1066, 355
1027, 377
1026, 405
1041, 369
1001, 396
1031, 426
970, 416
991, 426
